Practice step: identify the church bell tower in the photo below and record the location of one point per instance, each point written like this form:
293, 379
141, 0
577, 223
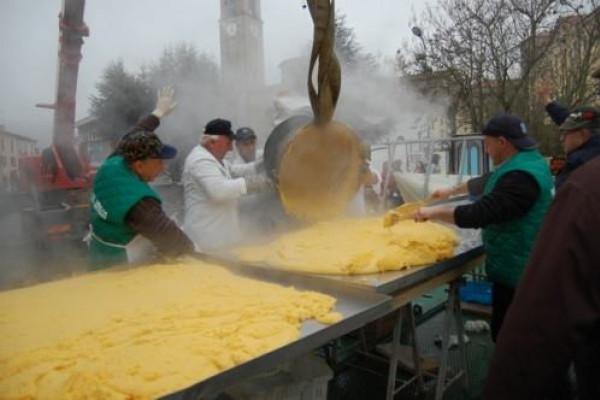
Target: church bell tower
242, 54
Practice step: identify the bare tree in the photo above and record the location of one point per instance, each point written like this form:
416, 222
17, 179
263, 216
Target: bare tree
575, 53
567, 64
493, 50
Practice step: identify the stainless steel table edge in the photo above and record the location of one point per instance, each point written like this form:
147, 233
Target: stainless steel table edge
409, 277
300, 280
428, 272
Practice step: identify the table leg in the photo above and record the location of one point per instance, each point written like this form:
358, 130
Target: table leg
393, 369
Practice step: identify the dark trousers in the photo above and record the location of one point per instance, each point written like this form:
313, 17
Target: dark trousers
502, 296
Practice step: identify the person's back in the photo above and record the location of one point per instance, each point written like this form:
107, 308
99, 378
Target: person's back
556, 310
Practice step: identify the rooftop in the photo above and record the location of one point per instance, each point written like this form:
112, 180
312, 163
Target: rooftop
4, 132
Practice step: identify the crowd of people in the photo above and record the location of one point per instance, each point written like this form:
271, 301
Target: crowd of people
540, 234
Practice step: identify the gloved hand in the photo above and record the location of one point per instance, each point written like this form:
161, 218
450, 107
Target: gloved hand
165, 102
258, 184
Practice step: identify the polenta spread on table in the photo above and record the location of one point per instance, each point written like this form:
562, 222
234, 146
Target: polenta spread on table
355, 246
143, 333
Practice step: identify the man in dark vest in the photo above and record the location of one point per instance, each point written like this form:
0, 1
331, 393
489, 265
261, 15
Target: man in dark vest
128, 223
515, 197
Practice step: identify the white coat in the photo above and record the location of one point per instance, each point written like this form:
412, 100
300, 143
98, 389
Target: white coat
237, 159
211, 192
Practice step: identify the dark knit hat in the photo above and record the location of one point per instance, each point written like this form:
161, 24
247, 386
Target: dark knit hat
218, 127
512, 128
141, 145
584, 117
245, 133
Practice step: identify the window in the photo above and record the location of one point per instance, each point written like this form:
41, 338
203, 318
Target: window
13, 162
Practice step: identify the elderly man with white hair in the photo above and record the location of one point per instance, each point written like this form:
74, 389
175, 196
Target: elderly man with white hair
212, 187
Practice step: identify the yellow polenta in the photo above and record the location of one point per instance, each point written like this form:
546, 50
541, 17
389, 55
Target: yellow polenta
143, 333
356, 246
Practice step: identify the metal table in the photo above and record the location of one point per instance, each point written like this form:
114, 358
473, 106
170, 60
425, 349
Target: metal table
362, 299
404, 286
358, 307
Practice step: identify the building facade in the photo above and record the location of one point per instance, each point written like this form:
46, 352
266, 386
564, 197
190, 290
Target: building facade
12, 146
572, 54
91, 142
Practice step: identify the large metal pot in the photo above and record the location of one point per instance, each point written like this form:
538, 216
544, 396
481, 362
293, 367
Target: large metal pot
278, 140
317, 168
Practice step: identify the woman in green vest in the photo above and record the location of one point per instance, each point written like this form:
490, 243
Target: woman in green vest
514, 199
128, 223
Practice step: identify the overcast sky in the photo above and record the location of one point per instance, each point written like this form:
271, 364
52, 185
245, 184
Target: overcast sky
136, 31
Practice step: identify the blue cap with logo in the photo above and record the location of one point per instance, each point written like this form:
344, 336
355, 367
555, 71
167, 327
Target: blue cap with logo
512, 128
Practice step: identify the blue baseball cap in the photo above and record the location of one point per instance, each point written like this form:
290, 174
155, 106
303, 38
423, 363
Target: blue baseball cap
512, 128
167, 152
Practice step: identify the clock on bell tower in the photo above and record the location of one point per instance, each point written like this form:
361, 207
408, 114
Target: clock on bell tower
242, 54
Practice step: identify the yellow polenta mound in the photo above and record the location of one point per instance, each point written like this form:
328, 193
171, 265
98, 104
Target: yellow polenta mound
356, 246
143, 333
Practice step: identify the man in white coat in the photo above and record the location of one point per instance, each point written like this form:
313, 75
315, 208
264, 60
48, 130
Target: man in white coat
212, 187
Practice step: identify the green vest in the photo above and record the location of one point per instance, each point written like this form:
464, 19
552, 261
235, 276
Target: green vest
508, 244
116, 190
